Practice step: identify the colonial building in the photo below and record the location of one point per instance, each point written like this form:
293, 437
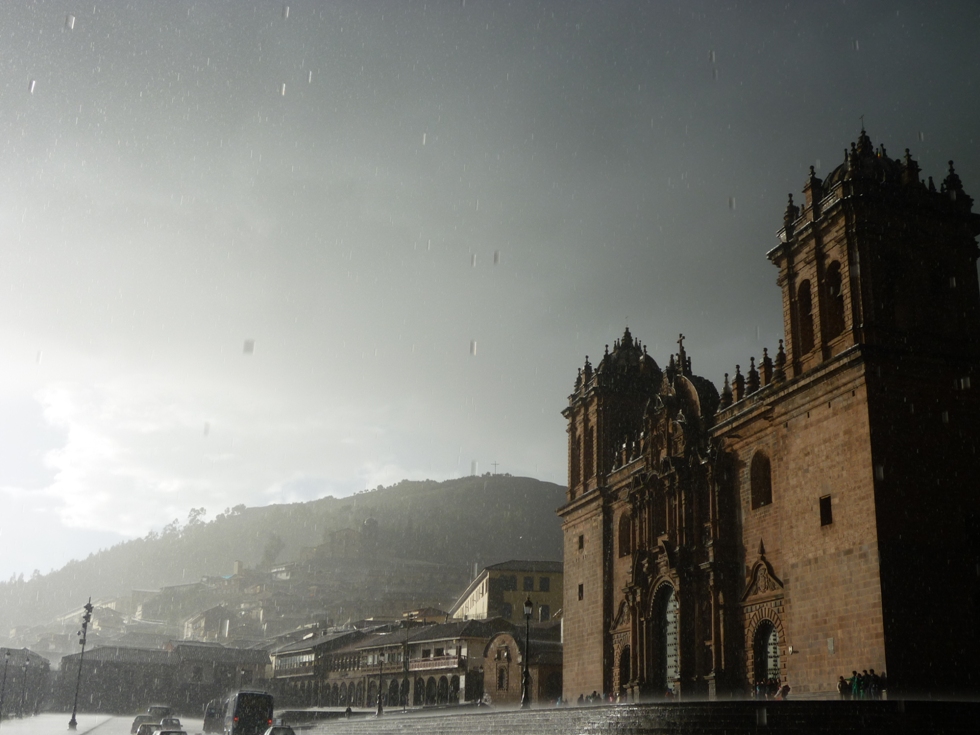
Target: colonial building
820, 513
501, 589
504, 665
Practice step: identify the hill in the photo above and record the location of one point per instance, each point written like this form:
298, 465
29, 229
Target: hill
457, 525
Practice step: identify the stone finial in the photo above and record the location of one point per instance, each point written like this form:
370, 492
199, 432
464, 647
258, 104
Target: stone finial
766, 371
752, 384
762, 548
952, 184
726, 394
738, 383
910, 170
791, 215
779, 373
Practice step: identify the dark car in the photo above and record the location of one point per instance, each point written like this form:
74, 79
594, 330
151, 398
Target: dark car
159, 711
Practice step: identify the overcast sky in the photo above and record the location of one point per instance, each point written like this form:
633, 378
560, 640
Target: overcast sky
425, 215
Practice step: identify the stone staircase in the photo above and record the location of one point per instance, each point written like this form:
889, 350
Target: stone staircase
681, 718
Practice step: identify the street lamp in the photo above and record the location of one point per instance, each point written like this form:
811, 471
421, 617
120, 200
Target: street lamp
526, 675
3, 687
86, 618
23, 686
381, 660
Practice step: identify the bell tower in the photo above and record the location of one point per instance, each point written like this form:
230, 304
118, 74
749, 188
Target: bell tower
876, 256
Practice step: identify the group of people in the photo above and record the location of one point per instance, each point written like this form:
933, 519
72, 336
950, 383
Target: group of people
771, 689
866, 685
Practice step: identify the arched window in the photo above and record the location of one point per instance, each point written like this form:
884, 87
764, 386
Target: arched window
587, 451
575, 471
804, 303
835, 301
624, 669
761, 478
625, 535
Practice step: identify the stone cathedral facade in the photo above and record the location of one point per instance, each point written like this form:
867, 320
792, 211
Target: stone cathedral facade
820, 513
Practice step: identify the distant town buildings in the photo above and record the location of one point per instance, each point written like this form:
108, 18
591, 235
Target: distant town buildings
819, 514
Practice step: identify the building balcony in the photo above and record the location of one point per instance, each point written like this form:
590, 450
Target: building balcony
439, 662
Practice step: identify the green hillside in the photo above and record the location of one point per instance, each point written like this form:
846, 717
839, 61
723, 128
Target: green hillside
464, 522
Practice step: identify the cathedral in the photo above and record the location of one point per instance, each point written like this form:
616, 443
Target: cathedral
821, 513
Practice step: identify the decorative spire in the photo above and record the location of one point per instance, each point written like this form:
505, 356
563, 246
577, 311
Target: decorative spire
791, 215
762, 548
952, 184
726, 394
910, 169
779, 374
752, 385
587, 371
681, 355
864, 145
932, 185
766, 367
738, 384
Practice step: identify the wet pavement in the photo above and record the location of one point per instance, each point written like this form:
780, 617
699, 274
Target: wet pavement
49, 723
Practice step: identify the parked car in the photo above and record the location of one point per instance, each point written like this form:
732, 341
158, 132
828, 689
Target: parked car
170, 723
280, 730
140, 719
148, 728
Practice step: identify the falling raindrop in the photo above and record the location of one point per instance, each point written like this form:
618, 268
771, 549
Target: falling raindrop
30, 87
429, 246
207, 428
473, 347
70, 22
711, 56
855, 45
816, 165
283, 89
473, 260
249, 347
285, 12
309, 78
714, 74
496, 257
39, 355
423, 138
922, 136
731, 203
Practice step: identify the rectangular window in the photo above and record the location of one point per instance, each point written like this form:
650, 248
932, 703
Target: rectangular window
581, 542
506, 610
529, 584
826, 512
544, 584
581, 592
544, 613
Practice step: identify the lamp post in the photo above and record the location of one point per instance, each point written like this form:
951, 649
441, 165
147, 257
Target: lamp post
86, 618
381, 660
525, 674
3, 687
23, 686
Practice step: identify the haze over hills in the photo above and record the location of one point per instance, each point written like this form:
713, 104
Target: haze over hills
458, 525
